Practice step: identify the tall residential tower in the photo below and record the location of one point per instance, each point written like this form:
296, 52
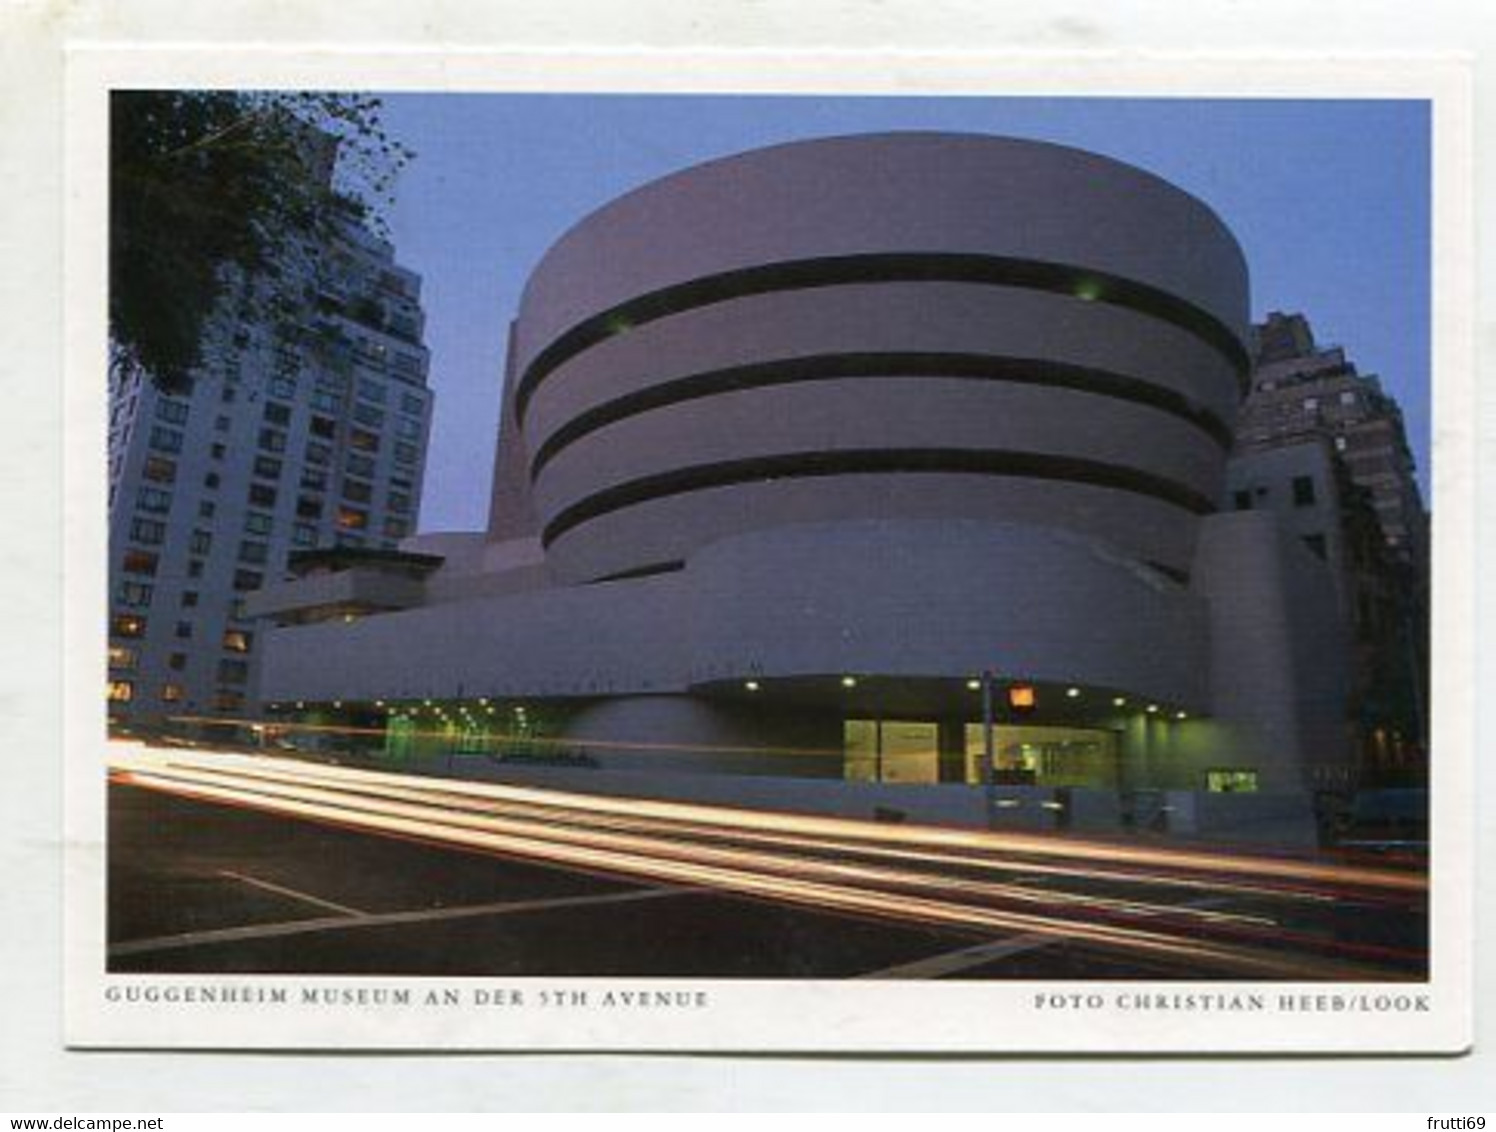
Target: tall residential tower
295, 433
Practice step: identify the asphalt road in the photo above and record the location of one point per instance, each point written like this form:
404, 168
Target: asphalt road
264, 867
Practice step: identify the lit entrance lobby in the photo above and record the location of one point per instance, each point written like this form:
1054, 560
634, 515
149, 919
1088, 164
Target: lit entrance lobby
927, 751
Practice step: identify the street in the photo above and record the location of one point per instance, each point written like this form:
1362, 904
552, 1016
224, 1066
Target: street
233, 863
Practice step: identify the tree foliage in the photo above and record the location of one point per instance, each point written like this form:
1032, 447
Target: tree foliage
206, 187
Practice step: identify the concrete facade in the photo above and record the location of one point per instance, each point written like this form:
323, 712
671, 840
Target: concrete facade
797, 444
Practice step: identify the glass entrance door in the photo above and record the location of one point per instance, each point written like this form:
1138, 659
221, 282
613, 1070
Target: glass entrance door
891, 750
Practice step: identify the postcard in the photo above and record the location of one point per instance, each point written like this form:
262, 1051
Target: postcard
935, 554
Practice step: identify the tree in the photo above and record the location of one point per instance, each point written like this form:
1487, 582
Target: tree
206, 187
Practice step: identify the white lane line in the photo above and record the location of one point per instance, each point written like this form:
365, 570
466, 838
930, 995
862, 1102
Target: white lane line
281, 890
380, 919
949, 962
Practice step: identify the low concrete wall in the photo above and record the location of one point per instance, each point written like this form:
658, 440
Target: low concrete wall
1280, 820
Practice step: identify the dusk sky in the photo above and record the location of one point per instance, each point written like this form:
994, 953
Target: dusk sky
1329, 199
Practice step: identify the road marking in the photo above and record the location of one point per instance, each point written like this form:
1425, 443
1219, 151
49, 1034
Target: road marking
304, 897
379, 919
949, 962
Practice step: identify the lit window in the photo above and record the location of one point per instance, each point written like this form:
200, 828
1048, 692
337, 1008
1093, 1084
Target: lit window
159, 469
352, 520
123, 657
171, 693
121, 691
366, 441
127, 625
237, 640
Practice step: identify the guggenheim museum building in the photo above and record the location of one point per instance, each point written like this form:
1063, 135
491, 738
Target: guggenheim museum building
807, 452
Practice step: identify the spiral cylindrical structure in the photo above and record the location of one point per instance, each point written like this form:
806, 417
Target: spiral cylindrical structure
888, 326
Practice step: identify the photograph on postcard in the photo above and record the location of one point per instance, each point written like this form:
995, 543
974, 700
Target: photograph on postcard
698, 540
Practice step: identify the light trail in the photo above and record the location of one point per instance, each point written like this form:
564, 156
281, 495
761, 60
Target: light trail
910, 874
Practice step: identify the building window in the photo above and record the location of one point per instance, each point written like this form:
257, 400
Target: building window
1348, 397
399, 502
355, 491
1311, 404
159, 469
267, 467
368, 415
228, 701
153, 499
166, 440
1303, 491
147, 531
206, 508
237, 640
174, 412
272, 440
411, 403
217, 451
140, 562
314, 479
134, 594
227, 396
171, 693
195, 568
189, 599
352, 519
325, 402
1340, 444
221, 424
396, 528
248, 579
177, 661
123, 657
408, 429
325, 427
364, 441
261, 496
404, 453
121, 691
127, 625
254, 553
233, 671
277, 414
1316, 544
304, 534
360, 466
201, 542
318, 453
371, 390
258, 523
211, 481
282, 387
184, 630
1231, 780
308, 508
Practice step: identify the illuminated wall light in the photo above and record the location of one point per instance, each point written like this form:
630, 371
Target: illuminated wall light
973, 685
849, 681
751, 685
1152, 709
1181, 715
1119, 701
1072, 693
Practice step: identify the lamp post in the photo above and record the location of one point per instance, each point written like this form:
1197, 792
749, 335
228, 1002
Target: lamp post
989, 778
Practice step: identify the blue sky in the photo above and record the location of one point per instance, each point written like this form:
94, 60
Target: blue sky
1329, 198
